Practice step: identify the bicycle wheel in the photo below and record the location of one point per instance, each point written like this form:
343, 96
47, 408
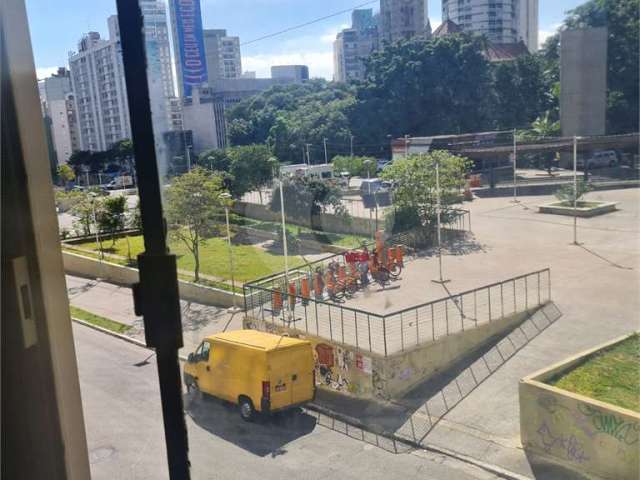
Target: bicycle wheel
395, 270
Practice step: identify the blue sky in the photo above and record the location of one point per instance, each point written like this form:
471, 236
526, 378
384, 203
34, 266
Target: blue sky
56, 26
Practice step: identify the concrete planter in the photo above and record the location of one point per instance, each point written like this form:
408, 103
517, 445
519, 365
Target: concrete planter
556, 208
574, 432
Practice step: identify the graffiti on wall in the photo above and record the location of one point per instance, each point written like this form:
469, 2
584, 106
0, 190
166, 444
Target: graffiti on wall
569, 445
610, 424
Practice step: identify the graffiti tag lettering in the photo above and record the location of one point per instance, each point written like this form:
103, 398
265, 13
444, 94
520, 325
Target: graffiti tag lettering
570, 446
612, 425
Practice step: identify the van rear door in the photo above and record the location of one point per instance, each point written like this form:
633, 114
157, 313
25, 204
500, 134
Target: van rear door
291, 375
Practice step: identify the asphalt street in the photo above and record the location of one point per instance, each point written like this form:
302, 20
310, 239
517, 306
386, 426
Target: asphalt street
123, 420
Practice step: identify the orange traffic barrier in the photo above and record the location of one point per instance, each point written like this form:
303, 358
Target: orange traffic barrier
305, 292
276, 302
318, 285
400, 255
292, 295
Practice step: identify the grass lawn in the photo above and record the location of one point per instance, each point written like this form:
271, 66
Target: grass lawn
250, 262
99, 321
610, 376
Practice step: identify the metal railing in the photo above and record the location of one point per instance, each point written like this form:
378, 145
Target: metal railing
390, 333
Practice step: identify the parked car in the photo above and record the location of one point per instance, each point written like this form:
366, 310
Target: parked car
258, 371
598, 159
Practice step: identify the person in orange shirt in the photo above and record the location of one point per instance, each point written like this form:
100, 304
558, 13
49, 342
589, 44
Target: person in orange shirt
304, 291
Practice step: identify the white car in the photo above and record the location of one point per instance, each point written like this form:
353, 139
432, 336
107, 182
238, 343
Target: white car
599, 159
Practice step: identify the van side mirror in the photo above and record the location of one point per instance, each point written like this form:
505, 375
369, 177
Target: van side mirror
191, 358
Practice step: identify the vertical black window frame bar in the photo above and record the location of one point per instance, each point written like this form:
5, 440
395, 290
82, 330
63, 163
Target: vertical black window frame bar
156, 296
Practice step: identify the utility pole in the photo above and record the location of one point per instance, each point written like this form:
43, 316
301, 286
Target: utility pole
308, 156
352, 146
326, 158
406, 146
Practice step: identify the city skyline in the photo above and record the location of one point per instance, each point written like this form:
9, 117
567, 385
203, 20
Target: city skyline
57, 32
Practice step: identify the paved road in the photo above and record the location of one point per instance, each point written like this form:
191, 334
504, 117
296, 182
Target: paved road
125, 437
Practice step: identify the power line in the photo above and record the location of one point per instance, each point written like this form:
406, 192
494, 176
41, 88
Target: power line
311, 22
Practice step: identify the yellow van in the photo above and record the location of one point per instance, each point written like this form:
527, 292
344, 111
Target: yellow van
258, 371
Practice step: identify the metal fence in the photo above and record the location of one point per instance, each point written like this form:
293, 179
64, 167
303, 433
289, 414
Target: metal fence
398, 331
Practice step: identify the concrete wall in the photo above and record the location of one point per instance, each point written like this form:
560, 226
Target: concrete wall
583, 79
400, 372
326, 222
339, 368
575, 432
113, 273
350, 371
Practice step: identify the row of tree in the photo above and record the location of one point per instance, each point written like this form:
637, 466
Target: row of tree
441, 86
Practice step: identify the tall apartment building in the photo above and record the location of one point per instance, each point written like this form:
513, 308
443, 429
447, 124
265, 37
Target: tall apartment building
404, 19
297, 73
58, 110
353, 45
501, 21
157, 44
188, 45
223, 54
98, 84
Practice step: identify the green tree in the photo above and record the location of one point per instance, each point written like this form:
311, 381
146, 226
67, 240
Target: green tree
622, 18
421, 87
414, 181
567, 193
84, 207
252, 168
354, 165
111, 215
193, 205
522, 91
66, 174
307, 198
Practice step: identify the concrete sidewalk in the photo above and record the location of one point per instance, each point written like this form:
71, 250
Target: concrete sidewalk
116, 303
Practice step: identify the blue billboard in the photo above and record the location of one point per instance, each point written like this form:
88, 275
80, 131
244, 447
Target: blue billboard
190, 44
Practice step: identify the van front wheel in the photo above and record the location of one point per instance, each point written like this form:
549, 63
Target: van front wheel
247, 411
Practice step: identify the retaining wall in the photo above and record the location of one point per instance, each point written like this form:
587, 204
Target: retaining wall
575, 432
88, 267
349, 370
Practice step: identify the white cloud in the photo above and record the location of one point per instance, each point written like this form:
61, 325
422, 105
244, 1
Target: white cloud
44, 72
320, 63
330, 36
543, 35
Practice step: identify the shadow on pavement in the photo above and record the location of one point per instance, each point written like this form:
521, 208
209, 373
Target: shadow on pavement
544, 470
266, 435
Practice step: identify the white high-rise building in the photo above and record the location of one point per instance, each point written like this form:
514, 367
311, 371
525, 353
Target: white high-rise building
223, 54
501, 21
161, 86
404, 19
58, 109
98, 84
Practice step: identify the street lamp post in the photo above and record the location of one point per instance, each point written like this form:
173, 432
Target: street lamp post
406, 146
284, 232
440, 280
326, 158
226, 197
515, 160
575, 190
352, 146
367, 164
95, 222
